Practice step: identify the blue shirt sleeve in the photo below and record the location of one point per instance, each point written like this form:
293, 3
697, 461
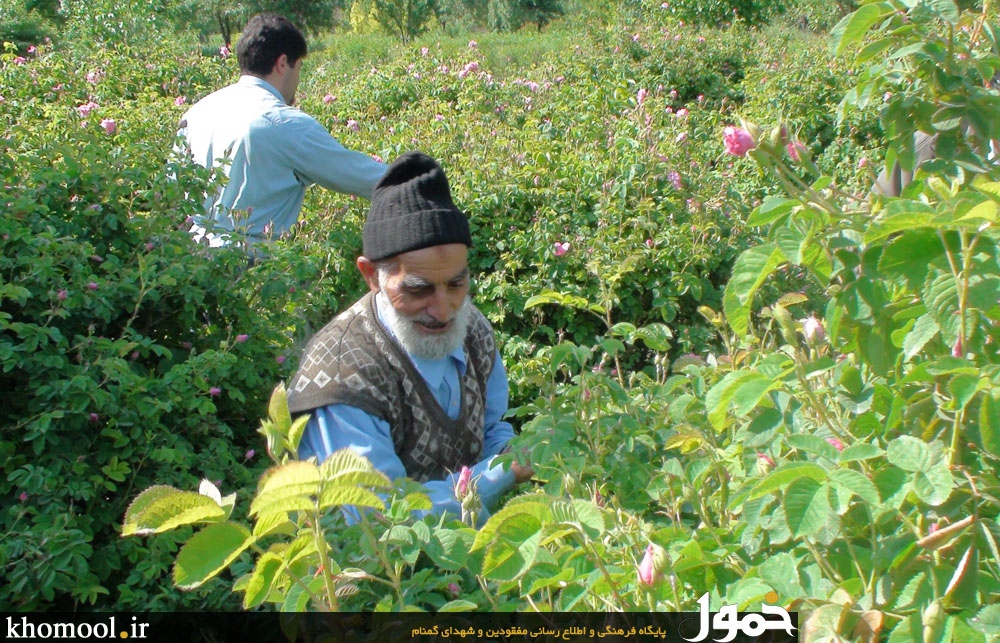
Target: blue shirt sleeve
339, 426
318, 158
497, 433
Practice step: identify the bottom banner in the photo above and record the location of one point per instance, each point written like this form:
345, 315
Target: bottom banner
263, 627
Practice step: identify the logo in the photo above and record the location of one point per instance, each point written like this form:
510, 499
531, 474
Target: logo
752, 624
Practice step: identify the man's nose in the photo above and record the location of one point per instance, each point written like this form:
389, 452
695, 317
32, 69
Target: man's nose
440, 307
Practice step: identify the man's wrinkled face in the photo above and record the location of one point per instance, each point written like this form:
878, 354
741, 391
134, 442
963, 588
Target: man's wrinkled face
427, 292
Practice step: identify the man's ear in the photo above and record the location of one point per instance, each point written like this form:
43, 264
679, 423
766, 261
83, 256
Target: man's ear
367, 268
281, 64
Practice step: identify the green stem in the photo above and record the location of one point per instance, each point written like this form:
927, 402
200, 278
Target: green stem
390, 570
317, 601
324, 561
600, 565
486, 590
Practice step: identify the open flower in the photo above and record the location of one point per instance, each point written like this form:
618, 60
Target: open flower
640, 96
109, 125
329, 98
86, 108
737, 140
224, 51
560, 248
180, 100
353, 125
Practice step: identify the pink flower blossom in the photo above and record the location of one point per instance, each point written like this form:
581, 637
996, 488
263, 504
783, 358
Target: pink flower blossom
454, 589
249, 454
462, 486
675, 179
560, 248
648, 574
94, 417
837, 444
62, 294
353, 125
109, 125
375, 157
215, 390
737, 141
635, 38
862, 162
886, 97
438, 117
673, 93
280, 359
640, 96
681, 137
472, 66
473, 44
32, 49
462, 74
424, 51
701, 38
329, 98
20, 60
242, 338
793, 150
649, 243
682, 112
149, 246
224, 51
86, 108
180, 100
812, 328
2, 99
94, 76
664, 5
768, 460
958, 350
92, 285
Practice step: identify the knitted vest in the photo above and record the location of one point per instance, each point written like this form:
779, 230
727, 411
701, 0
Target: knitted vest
353, 360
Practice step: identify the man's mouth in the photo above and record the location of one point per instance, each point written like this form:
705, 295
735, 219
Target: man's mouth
433, 327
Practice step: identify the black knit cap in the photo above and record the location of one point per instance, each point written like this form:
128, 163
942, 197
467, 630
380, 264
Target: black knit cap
412, 209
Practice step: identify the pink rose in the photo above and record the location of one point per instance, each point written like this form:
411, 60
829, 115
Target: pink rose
242, 338
793, 150
766, 459
329, 98
180, 100
648, 573
462, 486
424, 51
23, 497
94, 76
20, 60
473, 44
224, 51
215, 390
62, 294
94, 417
92, 285
682, 112
649, 243
249, 454
862, 162
353, 125
280, 359
837, 444
560, 248
737, 141
640, 96
86, 108
109, 125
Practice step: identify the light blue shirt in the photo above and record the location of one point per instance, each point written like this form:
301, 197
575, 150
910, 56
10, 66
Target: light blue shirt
271, 153
337, 426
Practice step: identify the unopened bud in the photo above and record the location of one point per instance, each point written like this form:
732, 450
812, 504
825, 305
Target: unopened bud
812, 328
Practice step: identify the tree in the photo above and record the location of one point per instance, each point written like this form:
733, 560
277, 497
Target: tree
404, 18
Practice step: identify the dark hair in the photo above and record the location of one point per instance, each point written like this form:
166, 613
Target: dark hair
265, 37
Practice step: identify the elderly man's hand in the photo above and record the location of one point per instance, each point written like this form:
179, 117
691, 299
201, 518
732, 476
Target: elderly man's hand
522, 472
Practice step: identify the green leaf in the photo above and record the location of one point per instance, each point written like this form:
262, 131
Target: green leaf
989, 424
987, 620
458, 605
295, 481
854, 26
860, 451
339, 495
489, 532
656, 336
934, 486
922, 332
947, 9
448, 548
812, 444
773, 207
277, 409
295, 432
297, 598
261, 580
785, 475
163, 509
744, 388
514, 549
807, 506
208, 552
590, 517
781, 572
858, 484
964, 387
751, 269
910, 453
141, 503
272, 523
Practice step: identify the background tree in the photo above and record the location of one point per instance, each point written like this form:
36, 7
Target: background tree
404, 18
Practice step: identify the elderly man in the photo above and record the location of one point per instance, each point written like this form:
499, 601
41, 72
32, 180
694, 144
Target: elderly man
269, 150
410, 376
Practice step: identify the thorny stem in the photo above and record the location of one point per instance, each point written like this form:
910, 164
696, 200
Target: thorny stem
823, 564
600, 565
486, 590
389, 569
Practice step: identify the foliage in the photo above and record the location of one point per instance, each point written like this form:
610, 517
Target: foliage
404, 18
715, 12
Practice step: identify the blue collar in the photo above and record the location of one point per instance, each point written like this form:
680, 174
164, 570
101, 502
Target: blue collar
257, 81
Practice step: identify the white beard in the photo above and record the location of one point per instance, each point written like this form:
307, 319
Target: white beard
417, 342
